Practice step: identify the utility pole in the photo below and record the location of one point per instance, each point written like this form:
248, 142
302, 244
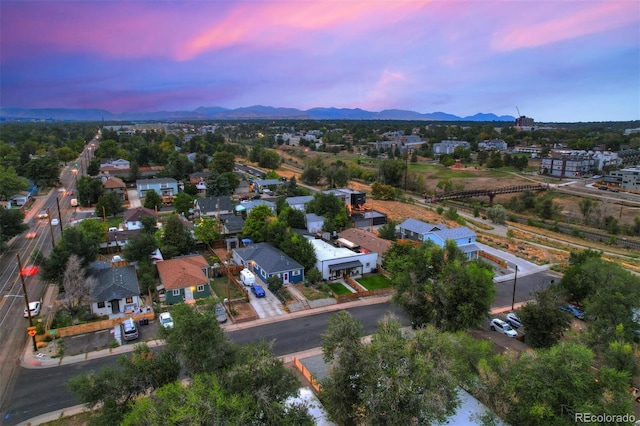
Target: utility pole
53, 241
26, 301
59, 215
513, 299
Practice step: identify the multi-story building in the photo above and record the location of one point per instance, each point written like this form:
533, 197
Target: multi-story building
628, 179
448, 146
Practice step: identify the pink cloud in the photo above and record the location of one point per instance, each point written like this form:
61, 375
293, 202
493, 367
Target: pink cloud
592, 17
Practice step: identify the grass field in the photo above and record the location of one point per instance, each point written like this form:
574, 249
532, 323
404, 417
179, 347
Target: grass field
219, 287
374, 282
339, 289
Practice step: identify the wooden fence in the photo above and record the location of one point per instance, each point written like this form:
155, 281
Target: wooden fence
492, 258
353, 283
343, 298
90, 327
307, 374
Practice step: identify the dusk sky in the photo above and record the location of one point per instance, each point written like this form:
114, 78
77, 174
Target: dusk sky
556, 60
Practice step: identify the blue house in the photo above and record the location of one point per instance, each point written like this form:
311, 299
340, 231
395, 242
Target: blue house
164, 187
266, 261
416, 230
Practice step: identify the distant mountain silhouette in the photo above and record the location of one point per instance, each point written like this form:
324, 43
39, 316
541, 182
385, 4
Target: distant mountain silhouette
256, 112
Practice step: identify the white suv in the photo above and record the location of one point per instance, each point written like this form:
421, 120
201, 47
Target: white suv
503, 327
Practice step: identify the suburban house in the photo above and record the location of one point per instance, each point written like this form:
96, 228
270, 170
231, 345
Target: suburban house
334, 261
362, 241
116, 240
164, 187
266, 261
212, 206
299, 203
20, 199
416, 230
132, 217
246, 206
115, 291
231, 224
199, 180
260, 185
314, 223
114, 184
184, 279
119, 164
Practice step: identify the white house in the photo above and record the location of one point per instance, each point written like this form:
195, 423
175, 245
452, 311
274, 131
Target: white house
314, 223
333, 261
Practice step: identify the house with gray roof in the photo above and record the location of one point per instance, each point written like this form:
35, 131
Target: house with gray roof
299, 203
213, 206
247, 206
417, 230
231, 224
265, 261
115, 291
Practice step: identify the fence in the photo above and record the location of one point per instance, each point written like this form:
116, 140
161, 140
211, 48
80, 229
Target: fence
307, 374
353, 283
493, 258
343, 298
99, 325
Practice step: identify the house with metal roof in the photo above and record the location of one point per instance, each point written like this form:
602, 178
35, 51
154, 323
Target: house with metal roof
299, 203
115, 290
265, 261
416, 230
334, 261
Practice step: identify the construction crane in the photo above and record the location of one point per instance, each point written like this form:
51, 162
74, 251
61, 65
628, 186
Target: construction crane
517, 109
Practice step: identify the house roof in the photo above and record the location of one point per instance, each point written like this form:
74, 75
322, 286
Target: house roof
312, 217
303, 199
199, 175
183, 272
248, 205
232, 222
455, 233
113, 182
269, 258
214, 204
133, 215
155, 181
267, 182
366, 240
418, 226
114, 283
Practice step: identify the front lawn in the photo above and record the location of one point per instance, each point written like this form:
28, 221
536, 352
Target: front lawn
339, 289
374, 282
313, 292
219, 287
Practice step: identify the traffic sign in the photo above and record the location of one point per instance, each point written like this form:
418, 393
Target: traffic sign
31, 333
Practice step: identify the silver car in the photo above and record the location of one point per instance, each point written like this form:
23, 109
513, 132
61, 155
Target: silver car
221, 314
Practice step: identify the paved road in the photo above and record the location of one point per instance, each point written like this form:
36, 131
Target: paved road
40, 391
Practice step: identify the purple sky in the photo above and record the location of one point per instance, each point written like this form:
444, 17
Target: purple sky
557, 60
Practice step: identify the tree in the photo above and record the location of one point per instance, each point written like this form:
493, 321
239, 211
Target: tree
255, 226
10, 183
182, 203
416, 387
115, 389
207, 230
392, 172
313, 275
197, 339
497, 214
44, 170
294, 218
388, 230
274, 284
337, 175
299, 249
543, 318
111, 203
495, 161
291, 188
152, 200
311, 175
73, 241
331, 208
222, 162
445, 185
269, 160
380, 191
77, 288
176, 238
140, 247
89, 190
232, 180
11, 224
217, 186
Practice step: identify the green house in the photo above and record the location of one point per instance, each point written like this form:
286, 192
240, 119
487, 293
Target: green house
184, 279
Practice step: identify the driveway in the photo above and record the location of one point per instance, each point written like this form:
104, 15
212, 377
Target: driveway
268, 306
524, 266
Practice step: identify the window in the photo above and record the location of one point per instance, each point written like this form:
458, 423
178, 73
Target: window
263, 274
367, 264
176, 292
296, 272
129, 300
100, 305
200, 288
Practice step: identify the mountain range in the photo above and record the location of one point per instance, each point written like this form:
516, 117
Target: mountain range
257, 112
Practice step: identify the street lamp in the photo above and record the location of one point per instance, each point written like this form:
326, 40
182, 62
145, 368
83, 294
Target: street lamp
513, 298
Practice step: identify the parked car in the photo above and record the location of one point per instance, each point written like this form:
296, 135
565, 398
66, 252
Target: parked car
503, 327
166, 320
256, 197
129, 329
31, 234
116, 259
55, 222
221, 314
258, 291
573, 310
34, 307
43, 214
513, 320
